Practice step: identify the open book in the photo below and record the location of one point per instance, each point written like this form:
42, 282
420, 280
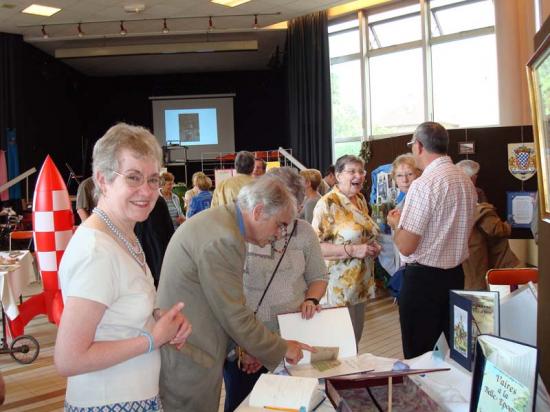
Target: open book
505, 376
331, 333
471, 314
288, 393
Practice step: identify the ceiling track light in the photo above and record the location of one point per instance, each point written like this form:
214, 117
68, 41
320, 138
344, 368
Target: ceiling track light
165, 29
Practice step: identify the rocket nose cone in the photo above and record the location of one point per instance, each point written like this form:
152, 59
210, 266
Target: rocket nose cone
49, 177
49, 180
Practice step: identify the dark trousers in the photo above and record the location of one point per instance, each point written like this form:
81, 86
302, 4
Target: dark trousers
238, 384
424, 306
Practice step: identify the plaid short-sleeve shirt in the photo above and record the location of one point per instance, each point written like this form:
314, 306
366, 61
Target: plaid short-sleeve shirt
440, 208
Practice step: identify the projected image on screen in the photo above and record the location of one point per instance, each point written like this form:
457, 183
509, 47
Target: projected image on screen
191, 126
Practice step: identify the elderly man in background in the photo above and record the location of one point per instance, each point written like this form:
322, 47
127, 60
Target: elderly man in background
259, 167
204, 267
471, 168
488, 244
226, 192
432, 234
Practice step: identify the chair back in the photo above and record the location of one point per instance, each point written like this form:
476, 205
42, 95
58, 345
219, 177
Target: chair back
21, 235
512, 276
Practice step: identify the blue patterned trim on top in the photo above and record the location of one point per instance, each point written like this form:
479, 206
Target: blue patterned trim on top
148, 405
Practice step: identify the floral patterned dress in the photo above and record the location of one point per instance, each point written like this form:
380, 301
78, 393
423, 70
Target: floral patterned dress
337, 220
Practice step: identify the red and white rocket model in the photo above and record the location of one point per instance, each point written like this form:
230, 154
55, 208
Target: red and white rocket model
53, 222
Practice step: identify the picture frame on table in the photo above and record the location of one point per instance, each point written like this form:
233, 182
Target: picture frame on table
538, 77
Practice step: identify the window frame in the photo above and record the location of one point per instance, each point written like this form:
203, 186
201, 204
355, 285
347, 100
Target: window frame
427, 18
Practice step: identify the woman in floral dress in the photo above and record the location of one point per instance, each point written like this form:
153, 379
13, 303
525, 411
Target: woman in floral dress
348, 240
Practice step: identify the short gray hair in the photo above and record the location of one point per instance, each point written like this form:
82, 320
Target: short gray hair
470, 167
433, 137
244, 162
269, 191
342, 161
137, 139
293, 181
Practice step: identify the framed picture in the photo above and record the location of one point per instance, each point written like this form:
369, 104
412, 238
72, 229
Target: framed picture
538, 76
520, 208
466, 147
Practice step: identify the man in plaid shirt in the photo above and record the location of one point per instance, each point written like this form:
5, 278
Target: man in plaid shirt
432, 234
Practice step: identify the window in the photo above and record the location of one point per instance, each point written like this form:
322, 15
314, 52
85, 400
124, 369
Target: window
450, 76
347, 104
397, 95
395, 27
344, 148
454, 16
465, 87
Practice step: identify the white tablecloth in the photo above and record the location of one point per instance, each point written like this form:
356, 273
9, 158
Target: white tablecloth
13, 282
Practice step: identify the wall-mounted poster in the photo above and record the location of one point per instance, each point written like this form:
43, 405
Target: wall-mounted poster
520, 208
521, 160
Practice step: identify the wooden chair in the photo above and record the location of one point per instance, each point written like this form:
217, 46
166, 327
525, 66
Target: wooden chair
512, 277
21, 235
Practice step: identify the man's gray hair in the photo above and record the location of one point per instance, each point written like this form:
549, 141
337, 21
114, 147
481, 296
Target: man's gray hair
433, 137
470, 167
270, 191
293, 181
244, 162
136, 139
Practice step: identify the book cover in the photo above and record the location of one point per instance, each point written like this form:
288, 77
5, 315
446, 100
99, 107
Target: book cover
472, 313
505, 375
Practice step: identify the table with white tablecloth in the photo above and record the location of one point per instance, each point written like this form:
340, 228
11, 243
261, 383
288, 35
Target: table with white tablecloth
14, 279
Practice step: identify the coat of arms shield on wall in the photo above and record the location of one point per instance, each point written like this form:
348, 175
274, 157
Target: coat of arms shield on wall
521, 160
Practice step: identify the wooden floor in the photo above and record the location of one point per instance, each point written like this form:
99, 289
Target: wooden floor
37, 387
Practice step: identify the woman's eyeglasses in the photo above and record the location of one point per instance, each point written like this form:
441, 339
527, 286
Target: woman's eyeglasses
136, 179
355, 172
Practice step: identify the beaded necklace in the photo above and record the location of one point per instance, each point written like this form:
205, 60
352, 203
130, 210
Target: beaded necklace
135, 251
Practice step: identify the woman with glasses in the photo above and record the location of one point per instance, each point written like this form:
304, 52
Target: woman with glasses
299, 282
404, 171
172, 200
348, 240
108, 339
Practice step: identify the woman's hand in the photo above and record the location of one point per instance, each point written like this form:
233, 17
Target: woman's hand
180, 219
393, 218
250, 364
309, 308
373, 249
172, 327
363, 250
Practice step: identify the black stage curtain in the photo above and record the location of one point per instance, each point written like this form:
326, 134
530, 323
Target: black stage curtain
309, 103
9, 44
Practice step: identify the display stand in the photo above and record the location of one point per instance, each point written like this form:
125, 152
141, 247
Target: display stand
170, 161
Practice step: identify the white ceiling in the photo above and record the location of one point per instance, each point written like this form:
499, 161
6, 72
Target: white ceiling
149, 32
